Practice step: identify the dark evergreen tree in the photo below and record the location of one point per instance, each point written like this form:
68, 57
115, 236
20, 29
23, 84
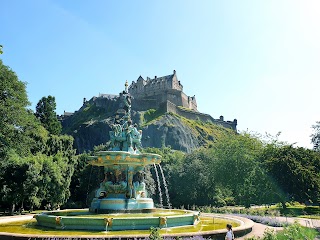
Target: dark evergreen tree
45, 112
315, 137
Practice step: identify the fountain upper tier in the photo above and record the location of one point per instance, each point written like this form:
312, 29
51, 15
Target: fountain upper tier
110, 158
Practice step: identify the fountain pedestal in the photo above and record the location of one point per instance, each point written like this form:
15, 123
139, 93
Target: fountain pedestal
123, 189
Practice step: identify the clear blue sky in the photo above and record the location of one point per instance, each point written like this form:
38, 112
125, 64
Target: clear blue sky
257, 61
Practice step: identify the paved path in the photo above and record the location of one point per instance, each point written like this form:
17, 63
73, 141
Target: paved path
15, 218
258, 228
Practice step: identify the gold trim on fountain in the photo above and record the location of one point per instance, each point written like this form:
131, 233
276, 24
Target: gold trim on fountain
108, 221
58, 220
163, 221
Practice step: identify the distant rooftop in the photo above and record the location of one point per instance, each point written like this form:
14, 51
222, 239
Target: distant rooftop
67, 113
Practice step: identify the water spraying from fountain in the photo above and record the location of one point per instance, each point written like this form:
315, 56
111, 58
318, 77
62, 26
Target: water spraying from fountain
165, 187
159, 186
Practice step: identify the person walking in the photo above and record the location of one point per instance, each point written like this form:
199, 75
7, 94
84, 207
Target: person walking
229, 235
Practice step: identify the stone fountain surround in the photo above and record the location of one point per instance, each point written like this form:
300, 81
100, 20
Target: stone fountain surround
244, 228
77, 220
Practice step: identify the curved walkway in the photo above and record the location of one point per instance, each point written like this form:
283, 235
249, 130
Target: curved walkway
259, 229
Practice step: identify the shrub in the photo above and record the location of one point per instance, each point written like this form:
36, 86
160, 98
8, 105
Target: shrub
155, 234
264, 220
294, 231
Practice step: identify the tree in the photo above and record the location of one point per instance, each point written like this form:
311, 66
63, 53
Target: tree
17, 124
193, 178
45, 112
34, 166
1, 49
236, 167
12, 177
295, 170
229, 172
315, 137
28, 181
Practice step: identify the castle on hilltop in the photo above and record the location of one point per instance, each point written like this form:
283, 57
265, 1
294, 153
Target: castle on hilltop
164, 94
152, 93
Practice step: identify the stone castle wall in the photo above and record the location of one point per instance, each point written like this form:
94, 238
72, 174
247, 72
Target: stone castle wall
155, 101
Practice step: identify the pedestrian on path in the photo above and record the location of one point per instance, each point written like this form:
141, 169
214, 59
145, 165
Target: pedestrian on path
229, 235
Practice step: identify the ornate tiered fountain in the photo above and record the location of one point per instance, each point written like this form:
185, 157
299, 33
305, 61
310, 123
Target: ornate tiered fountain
123, 189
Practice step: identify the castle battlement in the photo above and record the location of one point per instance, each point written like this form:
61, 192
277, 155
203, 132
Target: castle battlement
157, 84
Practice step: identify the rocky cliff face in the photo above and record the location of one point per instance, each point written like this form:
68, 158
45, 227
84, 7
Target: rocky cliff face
90, 127
169, 130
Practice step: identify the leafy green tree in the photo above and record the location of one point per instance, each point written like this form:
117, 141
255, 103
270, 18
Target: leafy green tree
236, 167
45, 112
60, 144
229, 172
195, 180
18, 125
34, 166
58, 168
295, 170
12, 177
1, 51
56, 172
28, 181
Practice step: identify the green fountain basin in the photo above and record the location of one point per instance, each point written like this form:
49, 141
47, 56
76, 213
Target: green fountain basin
209, 225
85, 220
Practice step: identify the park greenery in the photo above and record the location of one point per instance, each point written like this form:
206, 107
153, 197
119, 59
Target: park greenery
39, 165
241, 169
36, 163
293, 231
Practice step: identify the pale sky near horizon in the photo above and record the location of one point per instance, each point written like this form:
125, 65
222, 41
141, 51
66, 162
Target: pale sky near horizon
256, 61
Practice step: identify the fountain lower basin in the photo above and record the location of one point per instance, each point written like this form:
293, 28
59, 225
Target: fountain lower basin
85, 220
210, 225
